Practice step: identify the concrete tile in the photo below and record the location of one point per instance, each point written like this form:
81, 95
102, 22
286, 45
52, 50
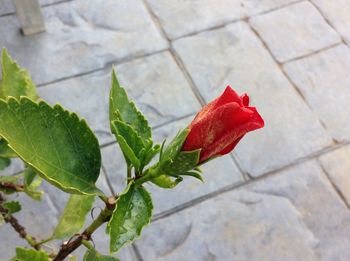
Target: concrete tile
279, 218
155, 83
179, 18
324, 81
288, 36
82, 36
337, 165
235, 56
338, 14
7, 7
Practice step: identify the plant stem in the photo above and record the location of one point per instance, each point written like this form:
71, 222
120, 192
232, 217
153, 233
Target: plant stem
11, 186
87, 244
71, 245
16, 226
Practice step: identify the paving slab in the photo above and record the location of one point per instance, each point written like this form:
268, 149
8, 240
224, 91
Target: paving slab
217, 174
179, 19
155, 83
235, 56
7, 7
338, 14
337, 166
278, 218
294, 31
324, 81
82, 36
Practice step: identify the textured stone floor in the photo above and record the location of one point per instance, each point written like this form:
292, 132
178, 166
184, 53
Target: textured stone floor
284, 193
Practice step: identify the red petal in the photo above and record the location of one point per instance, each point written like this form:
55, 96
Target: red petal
245, 99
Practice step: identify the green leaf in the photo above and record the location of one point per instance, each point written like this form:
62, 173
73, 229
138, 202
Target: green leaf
174, 148
2, 220
192, 174
121, 108
4, 162
130, 142
151, 154
128, 153
16, 82
5, 151
12, 207
93, 255
73, 258
29, 176
166, 182
73, 217
184, 161
132, 213
23, 254
55, 143
31, 182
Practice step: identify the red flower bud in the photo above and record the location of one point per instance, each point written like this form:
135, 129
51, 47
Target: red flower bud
221, 124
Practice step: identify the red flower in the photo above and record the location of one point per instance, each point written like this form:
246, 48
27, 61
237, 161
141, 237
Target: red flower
221, 124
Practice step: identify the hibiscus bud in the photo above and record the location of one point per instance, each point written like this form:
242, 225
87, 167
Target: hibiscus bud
221, 124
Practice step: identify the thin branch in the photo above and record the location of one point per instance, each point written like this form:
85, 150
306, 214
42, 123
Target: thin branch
71, 245
16, 226
11, 186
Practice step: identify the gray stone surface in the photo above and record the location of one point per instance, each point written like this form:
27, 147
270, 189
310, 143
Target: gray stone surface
338, 14
294, 31
158, 93
279, 218
337, 166
324, 81
7, 7
217, 174
82, 36
234, 55
179, 18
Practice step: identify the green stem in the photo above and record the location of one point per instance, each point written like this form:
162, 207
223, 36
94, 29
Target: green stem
150, 174
87, 244
103, 217
129, 172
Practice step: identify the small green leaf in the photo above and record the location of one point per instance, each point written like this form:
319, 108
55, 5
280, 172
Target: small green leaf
73, 258
5, 151
2, 220
130, 142
132, 213
23, 254
4, 162
192, 174
171, 151
166, 182
151, 154
29, 176
31, 183
121, 108
183, 162
16, 82
12, 207
93, 255
55, 143
128, 153
73, 217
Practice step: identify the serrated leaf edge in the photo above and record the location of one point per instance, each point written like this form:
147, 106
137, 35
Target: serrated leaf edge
82, 122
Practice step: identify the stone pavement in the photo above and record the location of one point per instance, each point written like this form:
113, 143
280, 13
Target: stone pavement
284, 193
